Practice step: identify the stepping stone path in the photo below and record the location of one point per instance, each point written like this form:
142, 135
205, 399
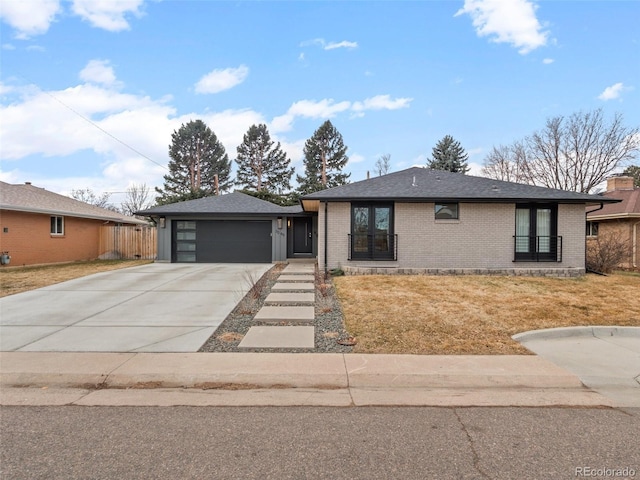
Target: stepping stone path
291, 301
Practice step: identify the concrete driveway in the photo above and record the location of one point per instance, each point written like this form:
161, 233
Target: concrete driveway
606, 359
157, 307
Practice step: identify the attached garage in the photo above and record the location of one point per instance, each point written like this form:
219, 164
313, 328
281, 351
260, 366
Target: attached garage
232, 228
222, 241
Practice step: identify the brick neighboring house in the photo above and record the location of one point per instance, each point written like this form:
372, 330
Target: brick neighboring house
428, 221
40, 227
619, 219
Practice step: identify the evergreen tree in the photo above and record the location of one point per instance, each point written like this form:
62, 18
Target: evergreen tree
261, 165
196, 157
325, 155
449, 155
633, 171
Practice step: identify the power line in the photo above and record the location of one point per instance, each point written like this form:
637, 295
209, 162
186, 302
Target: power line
91, 122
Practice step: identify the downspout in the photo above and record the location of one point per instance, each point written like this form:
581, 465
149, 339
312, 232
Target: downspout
325, 238
585, 237
635, 245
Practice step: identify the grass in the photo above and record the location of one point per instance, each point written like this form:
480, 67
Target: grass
477, 314
21, 279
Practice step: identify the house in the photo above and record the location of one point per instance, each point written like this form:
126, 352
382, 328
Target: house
429, 221
41, 227
413, 221
621, 220
233, 228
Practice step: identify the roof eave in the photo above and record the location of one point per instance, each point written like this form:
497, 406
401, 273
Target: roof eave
64, 213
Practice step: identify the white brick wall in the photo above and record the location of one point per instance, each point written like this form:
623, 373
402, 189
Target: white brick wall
481, 239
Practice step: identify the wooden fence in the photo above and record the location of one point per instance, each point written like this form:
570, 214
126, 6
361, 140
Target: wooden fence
128, 242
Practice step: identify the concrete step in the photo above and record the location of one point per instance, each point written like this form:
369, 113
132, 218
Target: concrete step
293, 287
285, 314
279, 337
299, 268
290, 298
299, 277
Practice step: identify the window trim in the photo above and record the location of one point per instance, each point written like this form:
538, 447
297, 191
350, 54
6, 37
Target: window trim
590, 229
53, 226
371, 253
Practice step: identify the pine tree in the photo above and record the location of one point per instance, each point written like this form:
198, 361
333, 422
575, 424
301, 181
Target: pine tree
196, 157
449, 155
261, 165
325, 155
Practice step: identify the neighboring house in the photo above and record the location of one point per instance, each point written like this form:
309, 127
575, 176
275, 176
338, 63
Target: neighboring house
413, 221
621, 220
41, 227
233, 228
429, 221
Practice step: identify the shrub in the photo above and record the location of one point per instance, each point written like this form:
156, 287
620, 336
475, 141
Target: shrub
607, 252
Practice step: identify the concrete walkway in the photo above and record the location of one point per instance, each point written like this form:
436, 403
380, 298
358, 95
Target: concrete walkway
42, 378
291, 302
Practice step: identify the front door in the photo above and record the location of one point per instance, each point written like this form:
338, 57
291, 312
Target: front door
302, 235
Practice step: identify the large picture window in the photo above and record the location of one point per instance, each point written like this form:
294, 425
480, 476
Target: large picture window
372, 232
536, 232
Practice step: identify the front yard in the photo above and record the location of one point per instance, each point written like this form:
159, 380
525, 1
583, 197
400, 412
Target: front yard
477, 314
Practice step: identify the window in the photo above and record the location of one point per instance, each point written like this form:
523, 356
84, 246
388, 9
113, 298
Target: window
446, 211
57, 225
592, 229
184, 235
372, 232
536, 233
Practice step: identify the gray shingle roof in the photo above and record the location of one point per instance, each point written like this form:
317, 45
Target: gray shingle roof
425, 184
235, 203
27, 198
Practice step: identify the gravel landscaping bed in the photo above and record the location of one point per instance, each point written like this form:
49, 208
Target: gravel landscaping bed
329, 324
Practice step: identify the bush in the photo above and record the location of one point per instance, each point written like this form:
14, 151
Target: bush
607, 252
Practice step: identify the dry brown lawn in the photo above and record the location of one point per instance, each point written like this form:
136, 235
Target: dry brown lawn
477, 314
20, 279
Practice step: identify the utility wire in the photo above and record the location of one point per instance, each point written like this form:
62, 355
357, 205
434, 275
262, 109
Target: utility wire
91, 122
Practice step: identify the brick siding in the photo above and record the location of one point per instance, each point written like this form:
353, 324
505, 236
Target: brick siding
480, 241
29, 241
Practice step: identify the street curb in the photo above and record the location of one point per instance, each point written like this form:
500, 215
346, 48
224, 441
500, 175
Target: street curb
254, 370
566, 332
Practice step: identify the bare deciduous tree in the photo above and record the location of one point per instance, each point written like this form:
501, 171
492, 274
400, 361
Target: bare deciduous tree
87, 195
575, 153
383, 164
137, 198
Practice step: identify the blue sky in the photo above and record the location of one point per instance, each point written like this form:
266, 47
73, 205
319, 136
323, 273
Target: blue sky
91, 90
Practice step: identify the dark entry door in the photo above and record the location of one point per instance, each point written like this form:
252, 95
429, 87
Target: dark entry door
303, 235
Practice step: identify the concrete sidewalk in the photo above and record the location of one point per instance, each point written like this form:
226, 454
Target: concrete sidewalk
42, 378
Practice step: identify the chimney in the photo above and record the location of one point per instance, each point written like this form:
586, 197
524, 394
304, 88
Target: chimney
619, 183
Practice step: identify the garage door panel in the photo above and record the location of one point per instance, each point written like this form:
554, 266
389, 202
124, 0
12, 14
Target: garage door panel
233, 241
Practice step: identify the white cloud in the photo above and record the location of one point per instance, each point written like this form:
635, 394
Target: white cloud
342, 44
98, 71
381, 102
548, 61
107, 14
612, 92
356, 158
513, 22
328, 108
222, 79
29, 18
321, 42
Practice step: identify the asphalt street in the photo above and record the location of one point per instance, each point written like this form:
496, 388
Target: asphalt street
313, 442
